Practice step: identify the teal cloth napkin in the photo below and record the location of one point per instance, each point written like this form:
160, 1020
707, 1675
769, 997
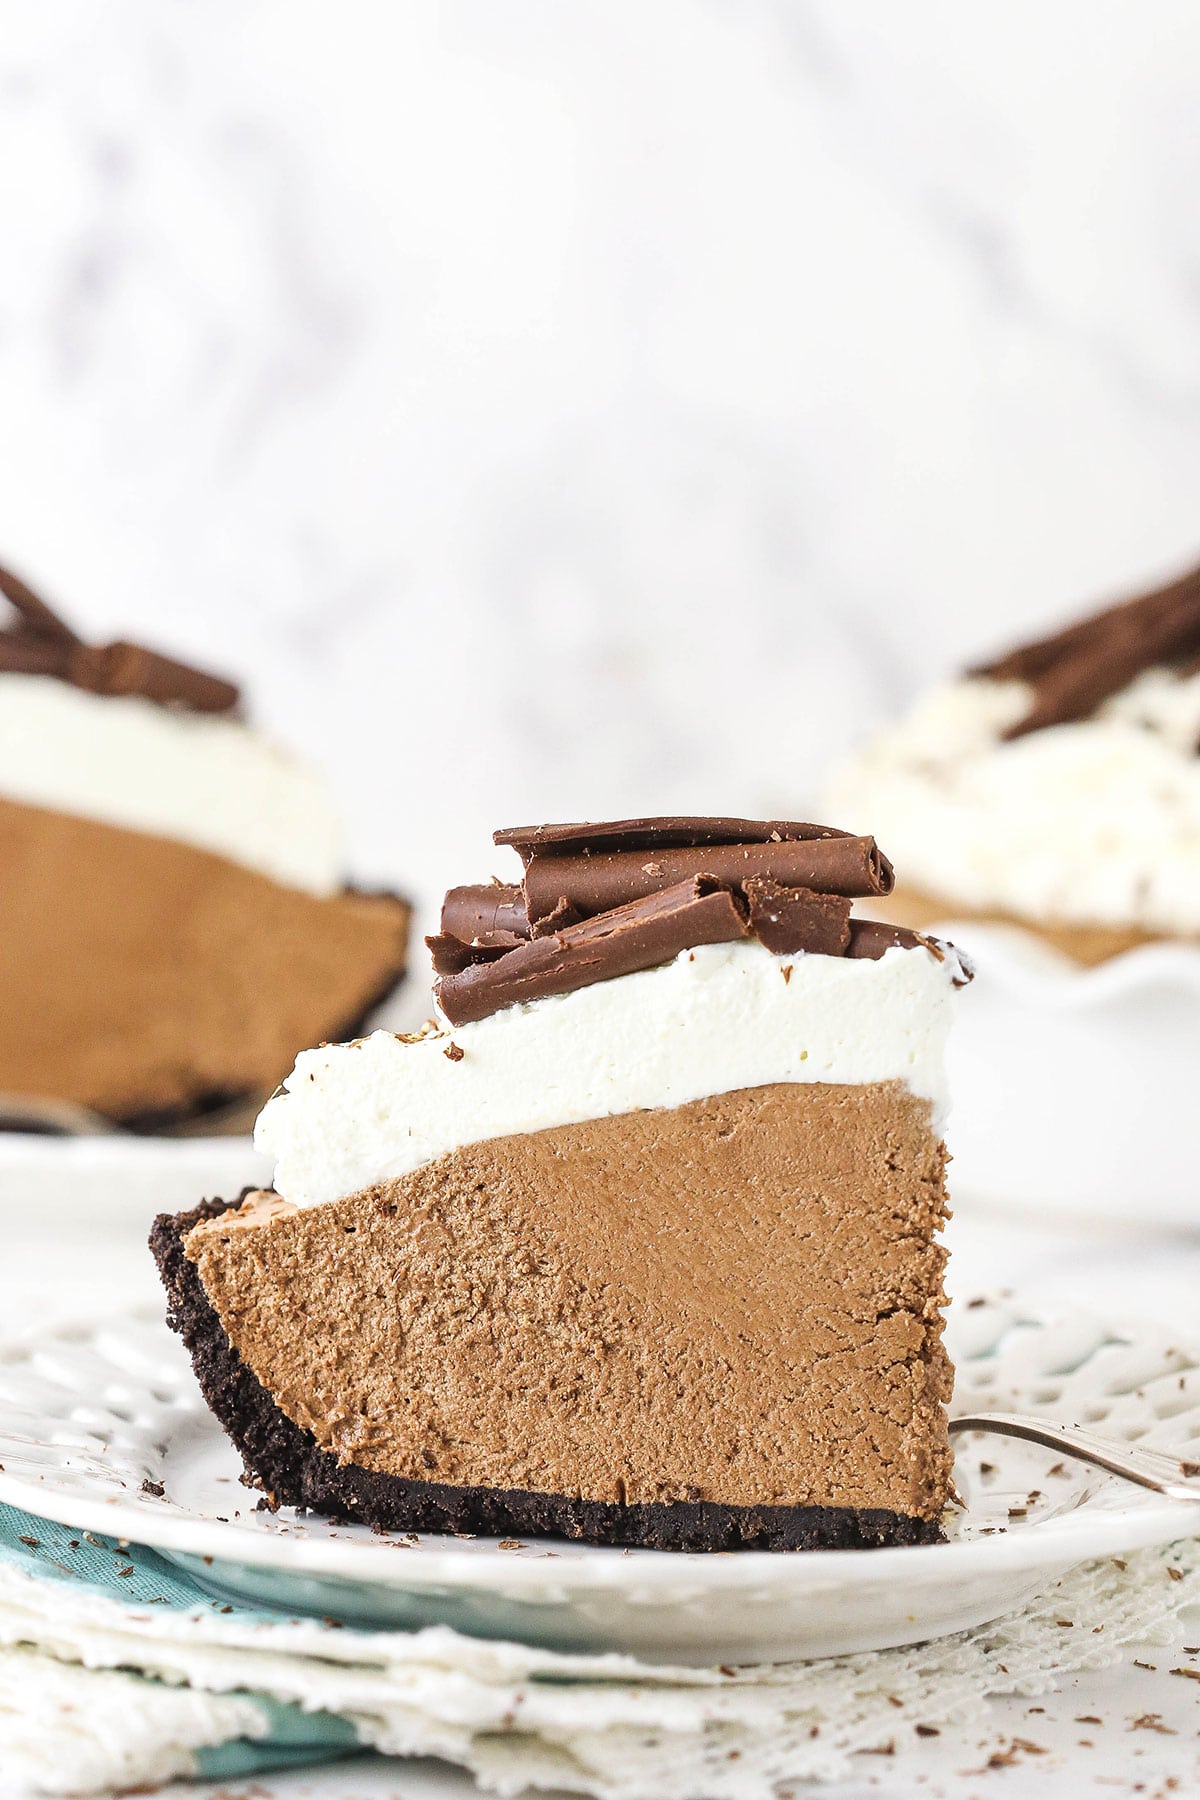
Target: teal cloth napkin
136, 1577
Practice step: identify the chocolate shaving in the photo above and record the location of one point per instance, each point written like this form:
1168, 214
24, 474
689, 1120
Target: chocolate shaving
474, 912
650, 930
43, 644
1074, 671
596, 881
666, 832
788, 919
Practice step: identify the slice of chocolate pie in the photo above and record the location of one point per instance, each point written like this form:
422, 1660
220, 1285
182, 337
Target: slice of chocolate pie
638, 1243
175, 924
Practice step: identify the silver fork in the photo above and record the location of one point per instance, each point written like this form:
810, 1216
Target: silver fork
1175, 1476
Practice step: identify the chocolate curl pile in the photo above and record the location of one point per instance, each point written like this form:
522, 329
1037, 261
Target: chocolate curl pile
43, 644
1073, 672
641, 935
604, 900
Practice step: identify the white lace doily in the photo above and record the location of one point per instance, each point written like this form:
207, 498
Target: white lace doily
516, 1718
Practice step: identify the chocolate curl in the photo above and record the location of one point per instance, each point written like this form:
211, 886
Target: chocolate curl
651, 930
788, 919
593, 883
1074, 671
1031, 662
40, 620
1076, 692
475, 912
663, 833
1075, 689
44, 644
123, 668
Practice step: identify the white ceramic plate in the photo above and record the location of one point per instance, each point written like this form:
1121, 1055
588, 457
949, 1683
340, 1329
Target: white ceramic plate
1073, 1089
90, 1415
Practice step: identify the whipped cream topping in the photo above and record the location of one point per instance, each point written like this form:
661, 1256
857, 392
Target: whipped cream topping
206, 781
718, 1018
1096, 823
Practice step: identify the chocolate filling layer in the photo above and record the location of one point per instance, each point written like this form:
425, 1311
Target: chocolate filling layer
713, 1324
143, 978
292, 1469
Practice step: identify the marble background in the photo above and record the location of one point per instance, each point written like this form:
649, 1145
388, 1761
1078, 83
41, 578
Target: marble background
564, 410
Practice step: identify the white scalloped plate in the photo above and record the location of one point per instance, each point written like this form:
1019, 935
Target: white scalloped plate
89, 1416
1074, 1088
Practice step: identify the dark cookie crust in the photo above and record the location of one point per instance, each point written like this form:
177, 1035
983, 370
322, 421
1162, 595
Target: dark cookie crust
288, 1464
